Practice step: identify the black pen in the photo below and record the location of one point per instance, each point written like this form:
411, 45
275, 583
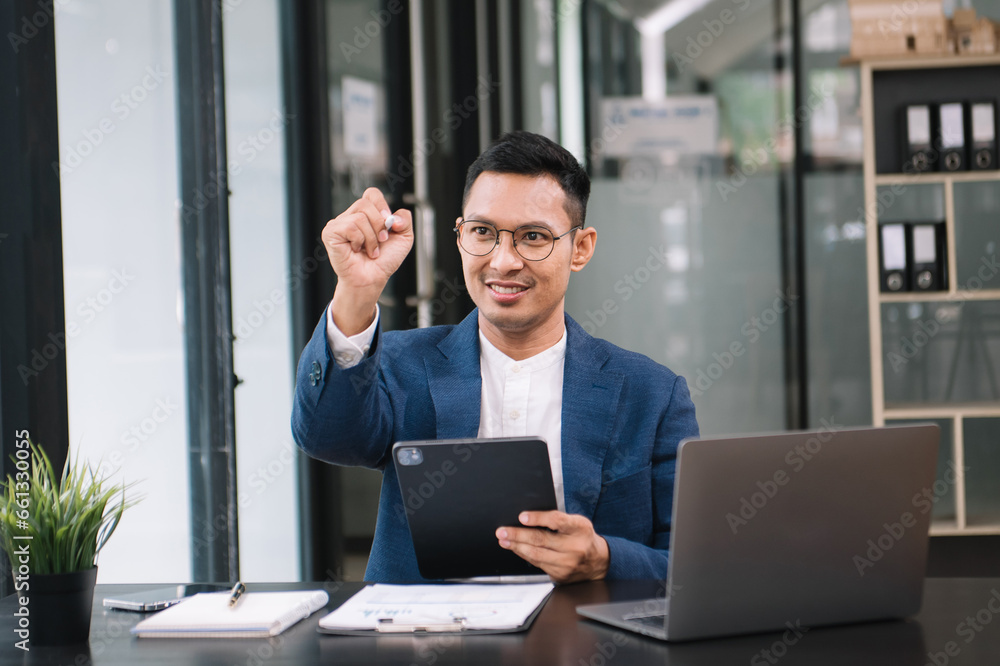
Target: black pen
236, 594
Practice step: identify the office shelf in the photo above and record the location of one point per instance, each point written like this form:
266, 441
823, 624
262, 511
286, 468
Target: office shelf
923, 62
970, 410
949, 529
950, 295
936, 177
902, 85
943, 527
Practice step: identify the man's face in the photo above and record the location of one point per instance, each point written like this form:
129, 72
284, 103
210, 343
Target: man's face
513, 294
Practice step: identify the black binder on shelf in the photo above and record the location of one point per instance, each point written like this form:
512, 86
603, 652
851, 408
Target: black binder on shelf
918, 155
892, 257
951, 137
983, 135
927, 252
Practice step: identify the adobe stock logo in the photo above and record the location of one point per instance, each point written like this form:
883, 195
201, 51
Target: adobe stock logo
893, 532
752, 330
37, 21
796, 458
698, 44
89, 309
74, 151
363, 35
435, 479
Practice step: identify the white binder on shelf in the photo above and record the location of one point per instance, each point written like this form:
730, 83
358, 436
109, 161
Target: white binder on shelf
951, 135
927, 254
918, 155
894, 274
983, 122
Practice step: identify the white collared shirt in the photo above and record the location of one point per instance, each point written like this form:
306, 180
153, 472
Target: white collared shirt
519, 398
524, 398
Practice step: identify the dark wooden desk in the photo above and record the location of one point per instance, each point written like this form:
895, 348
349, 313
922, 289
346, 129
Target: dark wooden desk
558, 636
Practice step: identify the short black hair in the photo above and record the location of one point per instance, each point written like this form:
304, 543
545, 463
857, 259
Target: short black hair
529, 154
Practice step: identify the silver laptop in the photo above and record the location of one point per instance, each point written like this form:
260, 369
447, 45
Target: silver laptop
791, 530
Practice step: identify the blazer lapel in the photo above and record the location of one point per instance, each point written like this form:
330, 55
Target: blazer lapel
454, 380
589, 406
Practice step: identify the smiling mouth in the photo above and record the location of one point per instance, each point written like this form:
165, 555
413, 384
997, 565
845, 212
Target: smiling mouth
506, 290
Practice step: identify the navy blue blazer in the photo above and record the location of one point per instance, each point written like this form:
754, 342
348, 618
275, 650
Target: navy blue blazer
623, 416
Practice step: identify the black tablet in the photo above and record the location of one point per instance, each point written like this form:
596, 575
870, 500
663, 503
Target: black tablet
457, 492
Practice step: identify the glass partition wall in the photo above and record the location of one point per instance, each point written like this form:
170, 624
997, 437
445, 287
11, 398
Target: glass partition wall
688, 268
834, 230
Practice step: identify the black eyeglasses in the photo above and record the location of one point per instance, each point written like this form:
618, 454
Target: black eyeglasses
531, 242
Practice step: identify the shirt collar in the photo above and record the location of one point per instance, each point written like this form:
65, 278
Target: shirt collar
497, 359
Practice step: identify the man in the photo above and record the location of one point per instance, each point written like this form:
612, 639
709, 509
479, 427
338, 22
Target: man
517, 365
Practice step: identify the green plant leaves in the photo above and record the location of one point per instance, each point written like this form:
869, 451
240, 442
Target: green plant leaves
69, 521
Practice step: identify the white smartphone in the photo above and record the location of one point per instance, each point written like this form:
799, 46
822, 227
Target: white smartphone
158, 599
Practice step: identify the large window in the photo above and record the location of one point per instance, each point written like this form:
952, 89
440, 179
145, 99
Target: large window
127, 390
256, 124
122, 267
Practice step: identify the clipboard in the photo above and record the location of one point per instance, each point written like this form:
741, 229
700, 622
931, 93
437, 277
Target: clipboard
466, 609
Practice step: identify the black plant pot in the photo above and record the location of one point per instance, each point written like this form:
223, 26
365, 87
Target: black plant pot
60, 606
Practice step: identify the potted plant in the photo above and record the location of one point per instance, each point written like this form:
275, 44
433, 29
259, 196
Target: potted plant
52, 528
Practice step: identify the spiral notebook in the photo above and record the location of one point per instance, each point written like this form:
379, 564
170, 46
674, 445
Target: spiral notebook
258, 614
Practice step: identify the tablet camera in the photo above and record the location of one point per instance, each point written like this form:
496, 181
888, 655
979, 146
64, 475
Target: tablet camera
409, 457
